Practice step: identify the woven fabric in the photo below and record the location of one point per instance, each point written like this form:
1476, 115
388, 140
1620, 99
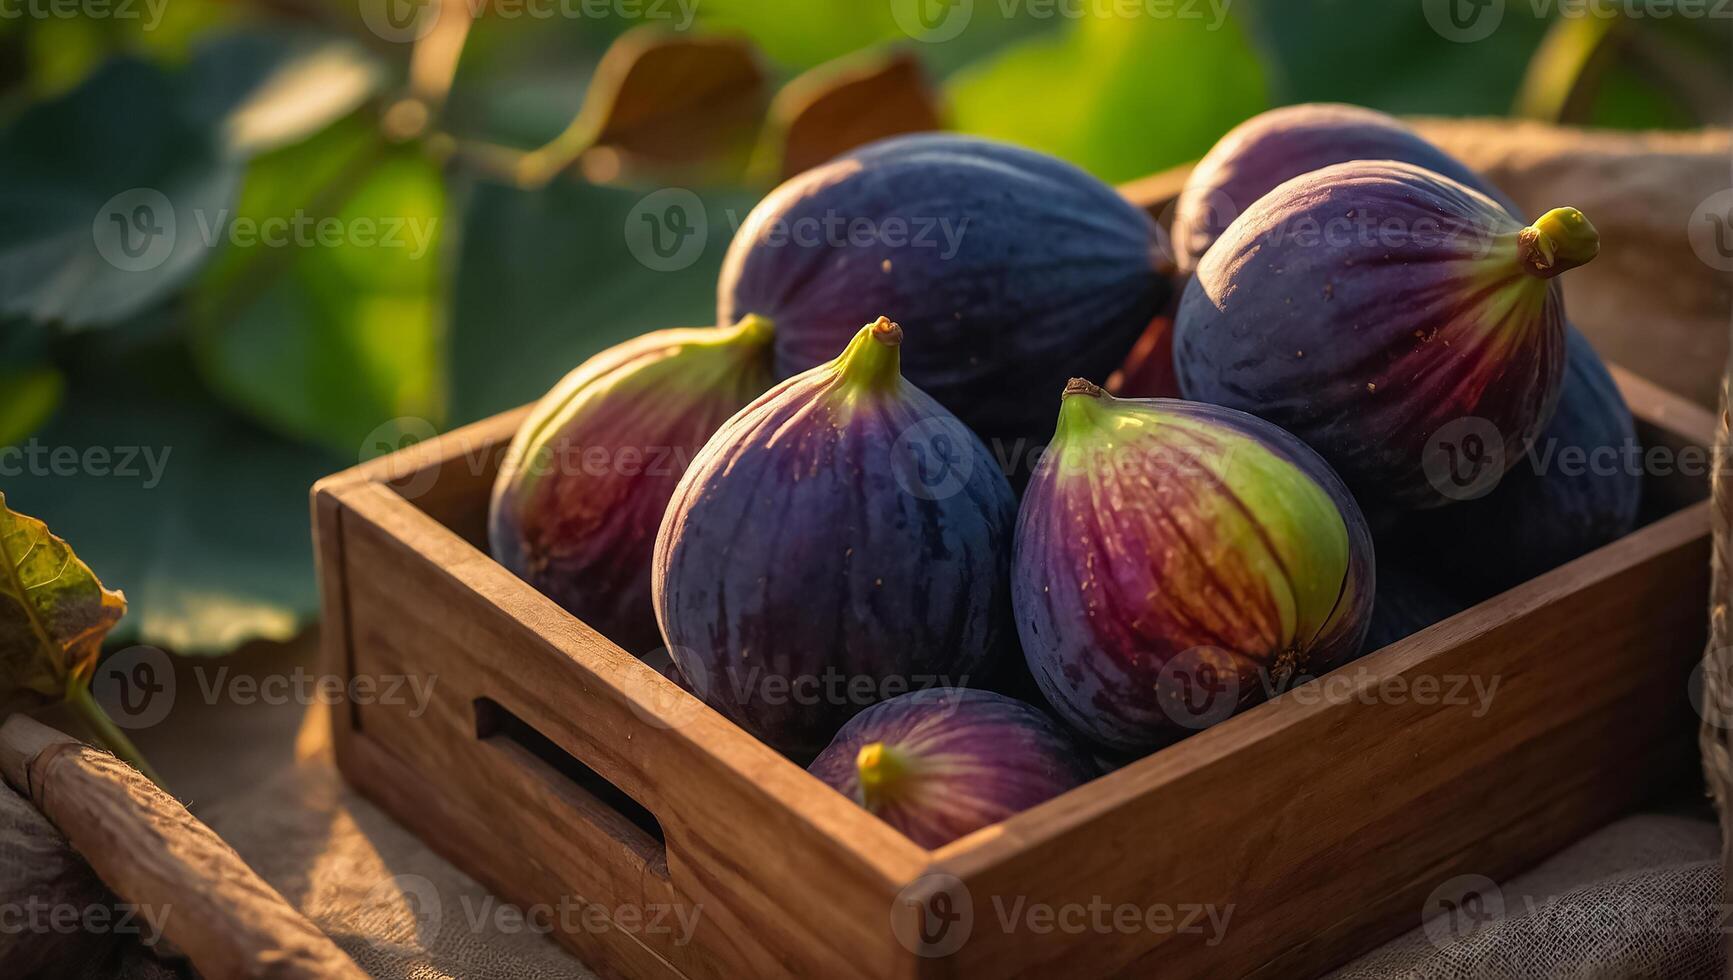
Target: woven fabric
393, 905
1641, 898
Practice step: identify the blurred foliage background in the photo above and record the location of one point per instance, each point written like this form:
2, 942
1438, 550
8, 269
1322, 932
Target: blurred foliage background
487, 163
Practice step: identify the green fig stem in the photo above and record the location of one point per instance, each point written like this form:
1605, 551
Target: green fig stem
752, 331
882, 769
1561, 240
1080, 405
79, 698
873, 359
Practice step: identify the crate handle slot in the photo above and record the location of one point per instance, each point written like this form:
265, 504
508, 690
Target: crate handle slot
609, 808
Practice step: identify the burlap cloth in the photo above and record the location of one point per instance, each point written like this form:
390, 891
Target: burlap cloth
1638, 899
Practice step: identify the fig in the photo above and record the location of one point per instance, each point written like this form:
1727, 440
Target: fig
842, 540
1272, 148
1009, 269
1389, 317
941, 763
1577, 488
1405, 602
583, 485
1176, 561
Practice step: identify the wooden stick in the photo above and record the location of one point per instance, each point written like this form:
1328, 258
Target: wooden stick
155, 855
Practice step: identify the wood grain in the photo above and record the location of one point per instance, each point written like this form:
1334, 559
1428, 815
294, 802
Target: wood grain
162, 861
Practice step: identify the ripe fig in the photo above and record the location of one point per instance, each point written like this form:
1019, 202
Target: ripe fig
1384, 314
1405, 603
1009, 269
1175, 561
585, 481
842, 540
1575, 490
941, 763
1272, 148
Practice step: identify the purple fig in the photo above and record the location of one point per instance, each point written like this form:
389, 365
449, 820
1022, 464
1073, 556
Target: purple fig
1575, 490
1176, 560
1406, 602
842, 540
1010, 270
1402, 324
941, 763
1272, 148
585, 482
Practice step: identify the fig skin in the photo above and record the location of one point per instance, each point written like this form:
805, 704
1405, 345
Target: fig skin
1542, 515
1160, 540
944, 762
582, 533
1367, 306
1405, 603
1272, 148
807, 567
1053, 272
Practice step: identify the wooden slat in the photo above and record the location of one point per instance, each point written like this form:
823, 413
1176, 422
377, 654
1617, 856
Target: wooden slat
744, 825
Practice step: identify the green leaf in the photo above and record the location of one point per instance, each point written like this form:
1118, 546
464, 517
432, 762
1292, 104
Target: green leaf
54, 612
28, 397
803, 33
1388, 56
322, 317
261, 92
107, 194
200, 516
1121, 97
547, 278
98, 197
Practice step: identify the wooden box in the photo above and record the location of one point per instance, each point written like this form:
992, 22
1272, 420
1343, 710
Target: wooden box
577, 782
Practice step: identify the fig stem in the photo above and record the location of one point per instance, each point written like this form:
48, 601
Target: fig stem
873, 358
1081, 405
752, 330
880, 768
79, 698
1083, 386
1561, 240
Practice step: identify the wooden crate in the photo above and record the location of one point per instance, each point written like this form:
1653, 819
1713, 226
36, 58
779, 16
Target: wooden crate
563, 772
